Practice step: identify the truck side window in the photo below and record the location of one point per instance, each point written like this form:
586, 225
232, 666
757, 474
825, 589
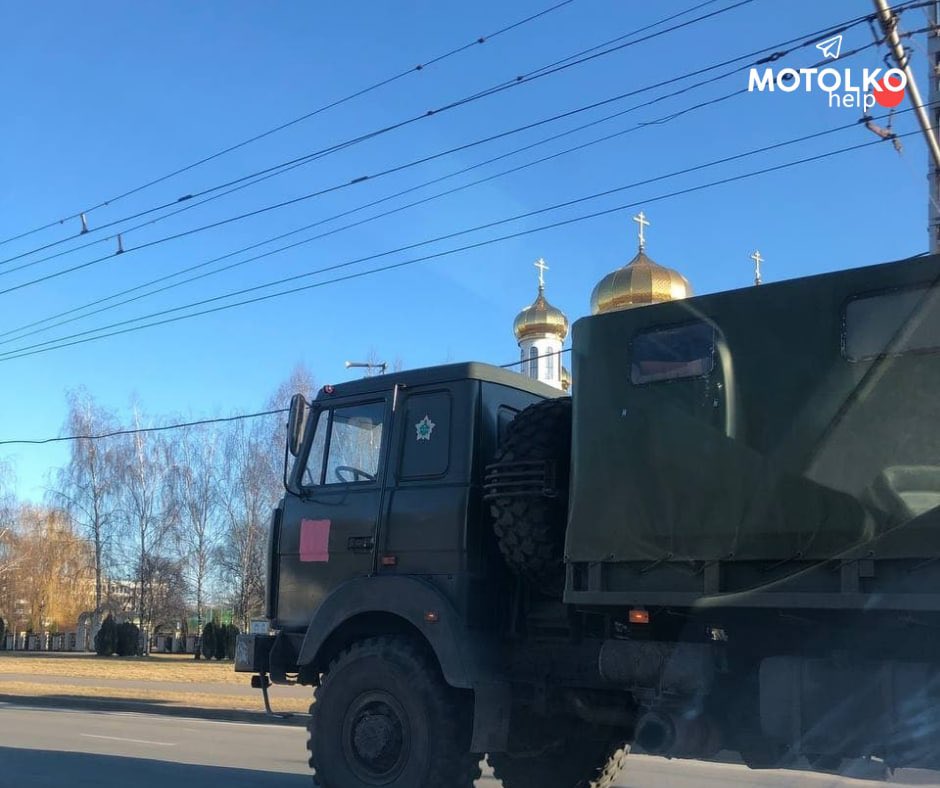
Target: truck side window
902, 321
426, 450
355, 444
672, 353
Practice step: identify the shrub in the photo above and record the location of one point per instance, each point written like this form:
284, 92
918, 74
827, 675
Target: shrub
128, 640
232, 636
221, 638
209, 632
106, 637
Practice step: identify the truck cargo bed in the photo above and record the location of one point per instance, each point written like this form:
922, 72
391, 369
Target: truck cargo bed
791, 458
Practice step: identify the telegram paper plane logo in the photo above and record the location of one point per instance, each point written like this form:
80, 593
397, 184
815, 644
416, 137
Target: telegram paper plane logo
831, 47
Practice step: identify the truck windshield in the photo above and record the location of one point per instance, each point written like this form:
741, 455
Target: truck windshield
352, 452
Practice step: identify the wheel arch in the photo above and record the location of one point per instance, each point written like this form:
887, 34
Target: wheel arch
370, 606
373, 623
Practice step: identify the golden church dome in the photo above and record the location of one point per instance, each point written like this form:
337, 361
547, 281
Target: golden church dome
540, 318
639, 282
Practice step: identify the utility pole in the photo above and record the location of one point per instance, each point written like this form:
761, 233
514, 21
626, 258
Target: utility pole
889, 26
933, 96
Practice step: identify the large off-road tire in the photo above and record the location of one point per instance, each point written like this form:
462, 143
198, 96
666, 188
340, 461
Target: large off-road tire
575, 764
383, 715
530, 529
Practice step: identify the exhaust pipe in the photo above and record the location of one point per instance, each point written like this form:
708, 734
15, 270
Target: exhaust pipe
656, 733
678, 736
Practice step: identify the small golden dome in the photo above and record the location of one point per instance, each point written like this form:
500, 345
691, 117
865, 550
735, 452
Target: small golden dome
639, 282
540, 318
565, 379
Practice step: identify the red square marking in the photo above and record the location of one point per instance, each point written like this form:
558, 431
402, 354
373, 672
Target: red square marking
314, 540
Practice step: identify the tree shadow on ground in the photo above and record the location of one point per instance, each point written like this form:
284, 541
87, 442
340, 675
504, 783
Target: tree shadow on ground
148, 706
53, 769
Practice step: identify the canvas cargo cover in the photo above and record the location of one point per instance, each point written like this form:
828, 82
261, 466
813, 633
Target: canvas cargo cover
792, 420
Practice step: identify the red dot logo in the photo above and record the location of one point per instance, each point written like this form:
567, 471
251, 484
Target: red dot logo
889, 96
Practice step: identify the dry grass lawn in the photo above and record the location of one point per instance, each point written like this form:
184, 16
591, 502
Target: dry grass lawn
158, 667
74, 675
190, 700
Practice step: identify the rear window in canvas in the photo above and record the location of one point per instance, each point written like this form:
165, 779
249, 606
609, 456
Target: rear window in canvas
902, 321
673, 353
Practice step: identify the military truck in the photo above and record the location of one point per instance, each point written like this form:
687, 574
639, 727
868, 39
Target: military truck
727, 538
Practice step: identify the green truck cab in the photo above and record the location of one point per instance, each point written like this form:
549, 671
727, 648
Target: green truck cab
727, 538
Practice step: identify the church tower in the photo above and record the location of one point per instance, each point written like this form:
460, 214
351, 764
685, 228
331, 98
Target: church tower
541, 330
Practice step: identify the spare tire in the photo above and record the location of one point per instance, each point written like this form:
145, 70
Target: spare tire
530, 526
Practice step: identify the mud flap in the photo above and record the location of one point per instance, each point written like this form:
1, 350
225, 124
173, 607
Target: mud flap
492, 703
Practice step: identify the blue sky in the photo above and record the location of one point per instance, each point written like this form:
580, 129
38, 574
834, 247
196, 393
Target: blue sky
98, 99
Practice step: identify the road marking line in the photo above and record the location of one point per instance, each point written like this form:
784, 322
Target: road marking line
133, 741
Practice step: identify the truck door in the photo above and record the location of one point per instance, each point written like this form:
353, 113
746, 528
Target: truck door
424, 529
329, 530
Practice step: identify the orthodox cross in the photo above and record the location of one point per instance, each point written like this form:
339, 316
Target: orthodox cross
540, 264
756, 257
643, 222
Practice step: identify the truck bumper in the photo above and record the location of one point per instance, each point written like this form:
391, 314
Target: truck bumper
252, 653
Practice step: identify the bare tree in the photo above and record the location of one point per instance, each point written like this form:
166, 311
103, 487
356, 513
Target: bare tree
165, 602
300, 381
7, 498
251, 472
197, 494
148, 511
250, 496
8, 555
87, 485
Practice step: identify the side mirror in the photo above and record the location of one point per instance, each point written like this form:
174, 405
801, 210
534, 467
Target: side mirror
296, 422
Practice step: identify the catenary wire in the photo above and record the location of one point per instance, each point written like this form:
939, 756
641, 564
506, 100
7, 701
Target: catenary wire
331, 105
493, 90
187, 424
383, 214
81, 337
140, 430
274, 170
406, 191
292, 164
806, 41
25, 328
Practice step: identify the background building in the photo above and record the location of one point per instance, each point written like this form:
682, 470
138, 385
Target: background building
540, 330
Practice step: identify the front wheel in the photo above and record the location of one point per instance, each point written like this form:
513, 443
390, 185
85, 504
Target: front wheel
383, 716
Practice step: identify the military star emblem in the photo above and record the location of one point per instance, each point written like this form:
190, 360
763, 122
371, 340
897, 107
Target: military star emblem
424, 428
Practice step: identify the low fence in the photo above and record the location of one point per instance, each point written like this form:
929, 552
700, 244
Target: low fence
73, 642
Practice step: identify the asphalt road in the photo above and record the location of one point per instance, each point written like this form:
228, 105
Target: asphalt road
49, 748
